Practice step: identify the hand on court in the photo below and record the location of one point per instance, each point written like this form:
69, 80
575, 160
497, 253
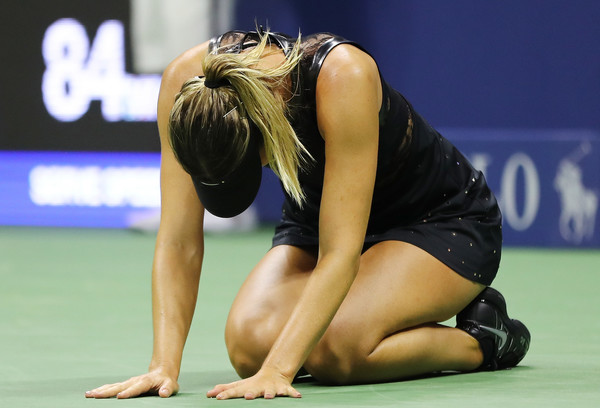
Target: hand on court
266, 383
154, 383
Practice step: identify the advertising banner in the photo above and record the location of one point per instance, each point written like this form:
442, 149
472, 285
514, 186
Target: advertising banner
547, 182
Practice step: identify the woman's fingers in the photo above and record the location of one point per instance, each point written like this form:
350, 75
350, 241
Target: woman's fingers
141, 386
217, 389
226, 391
289, 391
239, 392
168, 388
253, 393
136, 386
213, 393
251, 389
106, 391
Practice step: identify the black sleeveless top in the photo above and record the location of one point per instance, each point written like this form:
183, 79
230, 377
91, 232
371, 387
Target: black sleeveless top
426, 192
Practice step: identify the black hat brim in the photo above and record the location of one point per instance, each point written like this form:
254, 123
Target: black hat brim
234, 194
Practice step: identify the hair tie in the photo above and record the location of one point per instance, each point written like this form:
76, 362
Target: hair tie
216, 83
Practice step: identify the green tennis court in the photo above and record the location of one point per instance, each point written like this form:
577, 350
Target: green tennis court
75, 314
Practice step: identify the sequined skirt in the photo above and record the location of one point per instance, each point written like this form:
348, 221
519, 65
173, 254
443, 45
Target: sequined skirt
464, 232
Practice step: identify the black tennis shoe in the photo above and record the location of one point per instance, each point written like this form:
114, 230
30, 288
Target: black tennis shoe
504, 341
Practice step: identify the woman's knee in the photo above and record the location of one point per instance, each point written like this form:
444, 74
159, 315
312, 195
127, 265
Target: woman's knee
335, 360
248, 340
263, 306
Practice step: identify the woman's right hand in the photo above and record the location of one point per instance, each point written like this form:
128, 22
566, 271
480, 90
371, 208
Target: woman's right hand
155, 382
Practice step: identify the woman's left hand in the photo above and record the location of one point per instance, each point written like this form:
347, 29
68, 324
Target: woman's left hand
266, 383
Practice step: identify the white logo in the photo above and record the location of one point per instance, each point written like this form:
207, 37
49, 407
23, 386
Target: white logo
503, 336
579, 204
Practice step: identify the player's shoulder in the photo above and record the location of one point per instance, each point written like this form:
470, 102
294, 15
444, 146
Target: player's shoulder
187, 65
347, 62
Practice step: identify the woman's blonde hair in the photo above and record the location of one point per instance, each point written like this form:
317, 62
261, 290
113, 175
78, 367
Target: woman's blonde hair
210, 128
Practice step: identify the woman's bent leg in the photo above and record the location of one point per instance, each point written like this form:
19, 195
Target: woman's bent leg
386, 328
264, 304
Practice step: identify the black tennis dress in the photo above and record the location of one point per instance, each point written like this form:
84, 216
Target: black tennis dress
426, 192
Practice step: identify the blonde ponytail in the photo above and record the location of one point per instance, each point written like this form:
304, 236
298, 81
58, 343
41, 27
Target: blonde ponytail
256, 88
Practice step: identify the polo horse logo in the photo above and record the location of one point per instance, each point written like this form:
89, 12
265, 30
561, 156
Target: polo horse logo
579, 204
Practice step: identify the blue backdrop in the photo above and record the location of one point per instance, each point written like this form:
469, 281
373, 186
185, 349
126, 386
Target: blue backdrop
468, 63
515, 84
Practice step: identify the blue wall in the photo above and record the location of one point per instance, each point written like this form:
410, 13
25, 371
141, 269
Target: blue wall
515, 84
468, 63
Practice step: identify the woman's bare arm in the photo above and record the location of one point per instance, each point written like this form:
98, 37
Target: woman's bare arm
348, 101
178, 253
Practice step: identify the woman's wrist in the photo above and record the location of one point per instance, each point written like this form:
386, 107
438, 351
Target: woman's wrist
166, 368
286, 372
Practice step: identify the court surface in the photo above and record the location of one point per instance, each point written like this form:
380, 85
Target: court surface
75, 314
